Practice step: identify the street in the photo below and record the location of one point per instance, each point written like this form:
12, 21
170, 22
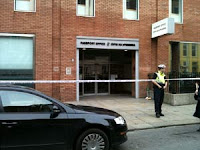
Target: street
170, 138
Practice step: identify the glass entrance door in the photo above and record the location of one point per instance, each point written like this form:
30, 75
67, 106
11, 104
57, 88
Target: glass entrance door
102, 74
89, 74
96, 72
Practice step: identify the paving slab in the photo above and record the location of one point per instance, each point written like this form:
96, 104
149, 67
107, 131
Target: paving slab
139, 113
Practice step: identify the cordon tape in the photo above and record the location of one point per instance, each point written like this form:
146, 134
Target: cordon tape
87, 81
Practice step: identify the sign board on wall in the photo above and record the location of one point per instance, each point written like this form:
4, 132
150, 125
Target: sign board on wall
68, 70
162, 27
107, 43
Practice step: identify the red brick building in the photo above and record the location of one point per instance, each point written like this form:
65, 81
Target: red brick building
92, 40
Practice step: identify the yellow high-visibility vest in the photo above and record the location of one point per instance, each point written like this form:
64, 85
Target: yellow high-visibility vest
160, 77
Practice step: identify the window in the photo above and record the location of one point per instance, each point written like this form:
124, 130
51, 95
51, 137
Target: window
184, 67
85, 8
194, 66
81, 2
184, 49
184, 63
194, 50
175, 6
25, 5
16, 57
14, 101
130, 9
131, 4
176, 10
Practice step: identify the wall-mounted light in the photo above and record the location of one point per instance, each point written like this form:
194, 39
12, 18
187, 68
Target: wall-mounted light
84, 49
125, 50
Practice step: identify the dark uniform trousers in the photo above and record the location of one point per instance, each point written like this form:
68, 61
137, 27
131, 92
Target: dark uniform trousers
158, 99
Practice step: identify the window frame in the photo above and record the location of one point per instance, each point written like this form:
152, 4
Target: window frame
124, 7
172, 8
194, 50
196, 66
185, 50
83, 15
170, 11
27, 36
185, 63
24, 10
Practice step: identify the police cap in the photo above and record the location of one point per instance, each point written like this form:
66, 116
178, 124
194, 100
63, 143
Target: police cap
161, 66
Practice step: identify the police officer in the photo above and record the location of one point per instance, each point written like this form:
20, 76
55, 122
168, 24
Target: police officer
159, 84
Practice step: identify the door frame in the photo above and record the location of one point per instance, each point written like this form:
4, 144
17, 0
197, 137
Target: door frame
89, 42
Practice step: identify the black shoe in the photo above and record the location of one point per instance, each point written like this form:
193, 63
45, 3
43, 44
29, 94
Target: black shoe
157, 115
162, 114
198, 130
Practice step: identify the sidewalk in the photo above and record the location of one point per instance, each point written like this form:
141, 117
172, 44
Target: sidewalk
139, 113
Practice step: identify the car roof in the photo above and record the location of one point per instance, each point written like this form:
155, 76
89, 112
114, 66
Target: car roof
15, 86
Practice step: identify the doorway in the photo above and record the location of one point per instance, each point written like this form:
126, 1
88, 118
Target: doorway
98, 64
117, 58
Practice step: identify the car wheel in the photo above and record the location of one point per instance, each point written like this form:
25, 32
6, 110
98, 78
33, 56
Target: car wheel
93, 139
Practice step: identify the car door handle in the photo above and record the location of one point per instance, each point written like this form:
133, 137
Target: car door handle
9, 123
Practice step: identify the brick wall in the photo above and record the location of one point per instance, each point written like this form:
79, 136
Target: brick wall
56, 26
38, 23
56, 29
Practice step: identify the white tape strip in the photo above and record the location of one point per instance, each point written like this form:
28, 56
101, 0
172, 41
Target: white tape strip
87, 81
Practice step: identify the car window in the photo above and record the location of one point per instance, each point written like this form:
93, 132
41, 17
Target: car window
14, 101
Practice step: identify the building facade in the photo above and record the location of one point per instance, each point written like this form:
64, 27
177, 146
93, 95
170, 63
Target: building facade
95, 40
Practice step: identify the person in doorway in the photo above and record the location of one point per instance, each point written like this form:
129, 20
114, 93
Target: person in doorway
197, 111
159, 85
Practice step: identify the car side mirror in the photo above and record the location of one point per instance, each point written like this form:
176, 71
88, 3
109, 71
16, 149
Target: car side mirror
55, 112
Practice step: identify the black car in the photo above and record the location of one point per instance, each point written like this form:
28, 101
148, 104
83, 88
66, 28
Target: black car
30, 120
